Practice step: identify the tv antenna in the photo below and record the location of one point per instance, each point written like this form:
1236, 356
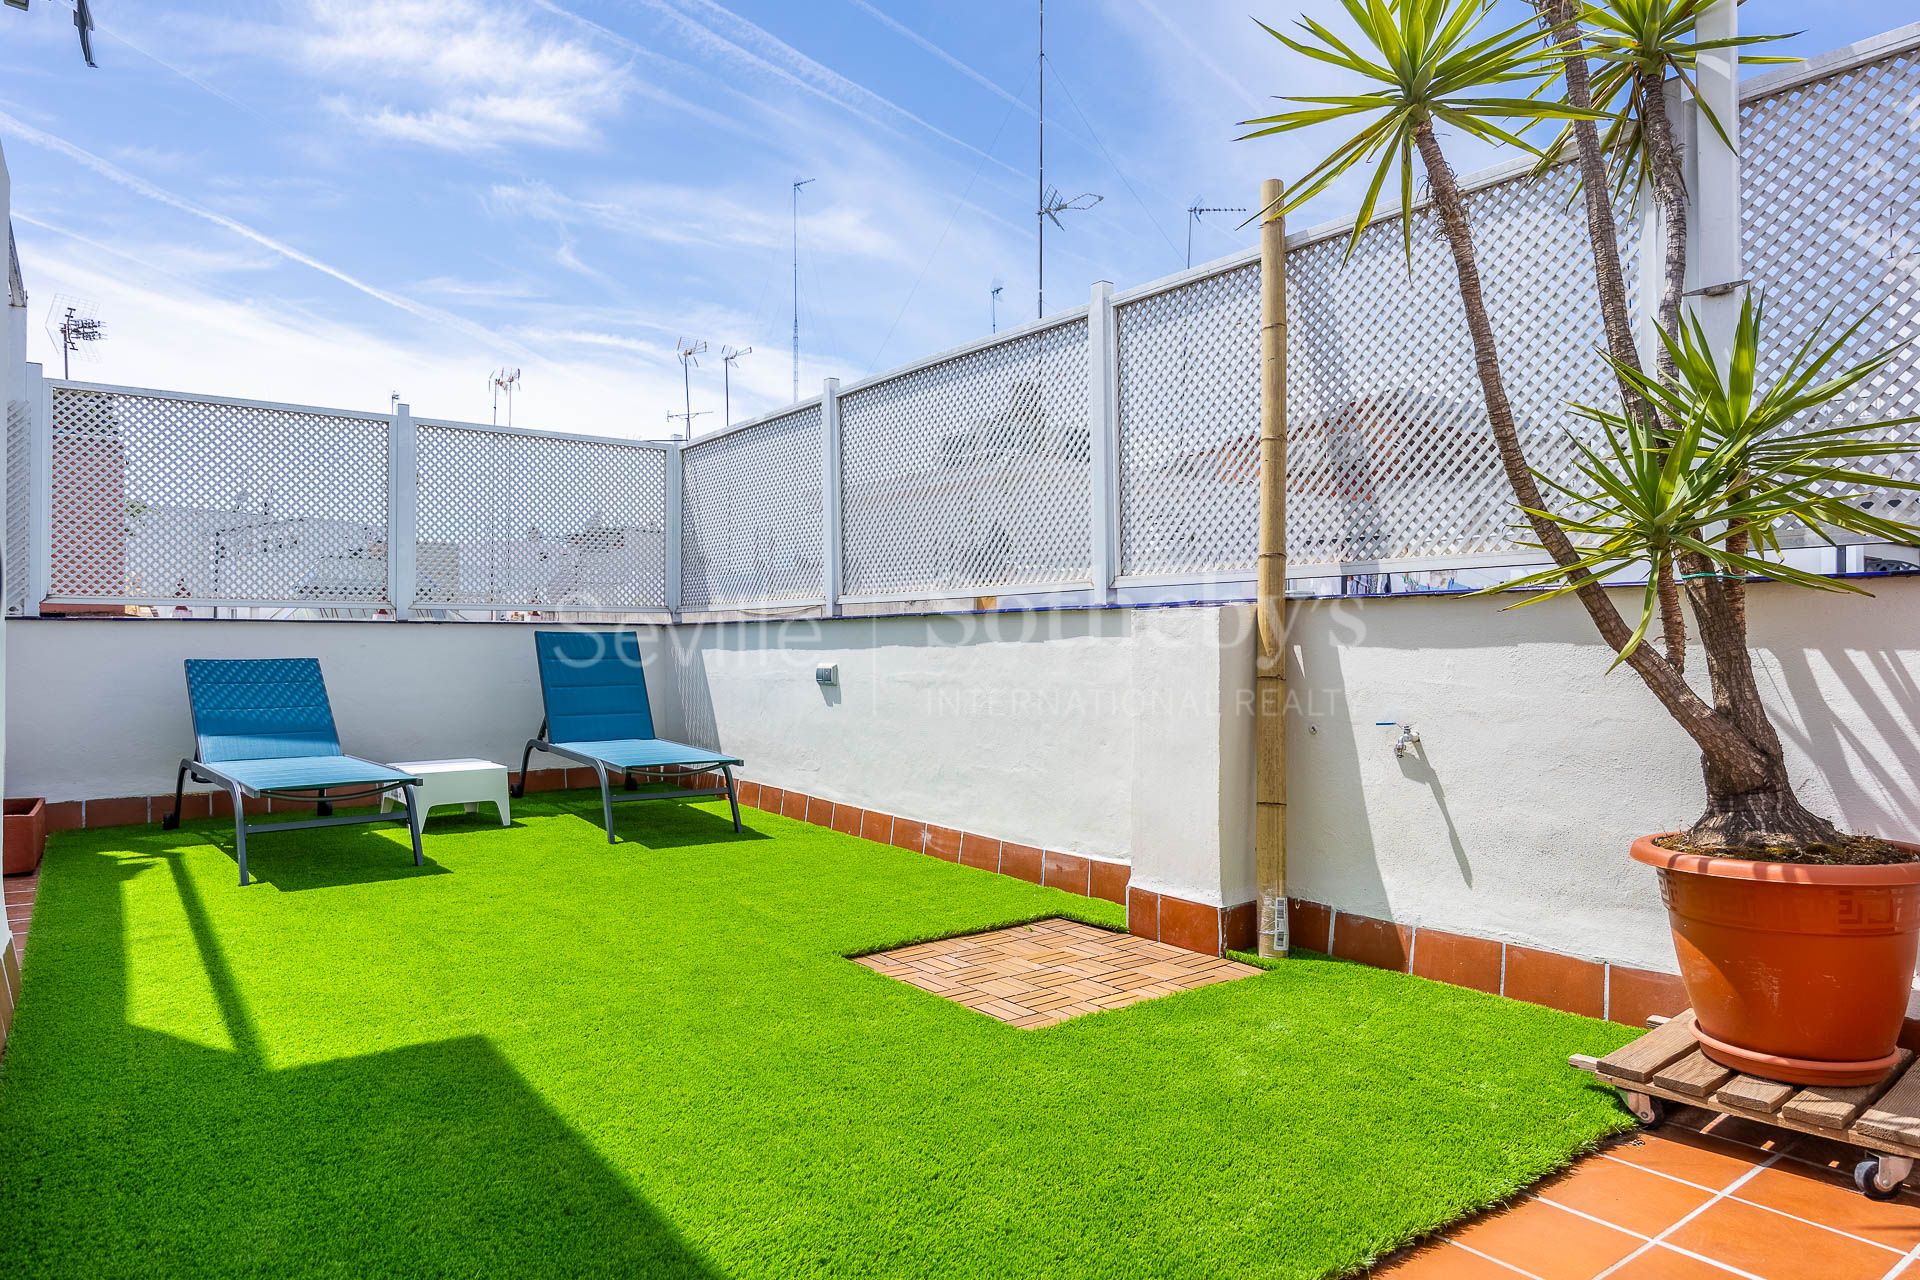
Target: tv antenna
688, 352
994, 301
507, 380
1051, 203
71, 322
82, 20
729, 356
796, 284
1195, 212
688, 419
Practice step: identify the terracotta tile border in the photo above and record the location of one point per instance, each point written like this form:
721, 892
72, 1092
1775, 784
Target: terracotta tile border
21, 891
1194, 926
1624, 994
1595, 988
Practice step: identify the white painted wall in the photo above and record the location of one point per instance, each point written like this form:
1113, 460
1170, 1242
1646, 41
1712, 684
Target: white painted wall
1117, 733
1093, 731
13, 370
1193, 754
99, 706
1538, 768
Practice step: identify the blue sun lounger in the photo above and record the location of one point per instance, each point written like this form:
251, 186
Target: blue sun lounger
595, 694
263, 727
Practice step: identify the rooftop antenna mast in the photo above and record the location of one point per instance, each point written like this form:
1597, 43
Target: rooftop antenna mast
1052, 204
76, 325
82, 18
728, 357
1195, 212
507, 380
1040, 187
689, 353
994, 302
796, 285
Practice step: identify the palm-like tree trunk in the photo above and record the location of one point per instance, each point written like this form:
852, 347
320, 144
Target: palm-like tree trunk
1740, 813
1609, 277
1750, 796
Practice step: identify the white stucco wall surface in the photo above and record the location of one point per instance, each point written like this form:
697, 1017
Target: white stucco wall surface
13, 368
1097, 732
1054, 728
1121, 734
99, 706
1537, 767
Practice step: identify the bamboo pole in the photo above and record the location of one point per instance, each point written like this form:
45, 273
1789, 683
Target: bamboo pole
1270, 659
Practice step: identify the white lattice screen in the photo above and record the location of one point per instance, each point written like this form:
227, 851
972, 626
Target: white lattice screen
1389, 456
1831, 194
518, 521
159, 498
1189, 414
752, 526
972, 473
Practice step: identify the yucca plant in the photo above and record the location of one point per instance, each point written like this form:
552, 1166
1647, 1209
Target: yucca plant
1637, 46
1695, 471
1737, 460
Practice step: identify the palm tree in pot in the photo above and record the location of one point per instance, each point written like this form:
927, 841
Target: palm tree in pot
1796, 939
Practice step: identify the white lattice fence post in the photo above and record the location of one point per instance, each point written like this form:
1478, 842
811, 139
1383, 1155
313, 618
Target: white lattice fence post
403, 509
1715, 261
675, 524
40, 527
830, 521
1103, 438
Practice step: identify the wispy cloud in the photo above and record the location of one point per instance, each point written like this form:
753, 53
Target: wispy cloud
457, 74
1201, 57
724, 34
133, 182
663, 213
901, 29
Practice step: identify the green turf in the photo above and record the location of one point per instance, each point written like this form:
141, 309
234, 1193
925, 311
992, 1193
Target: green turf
544, 1055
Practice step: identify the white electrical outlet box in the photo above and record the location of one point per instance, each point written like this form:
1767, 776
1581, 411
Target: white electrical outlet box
827, 673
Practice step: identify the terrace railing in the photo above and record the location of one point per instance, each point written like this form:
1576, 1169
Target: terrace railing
1107, 453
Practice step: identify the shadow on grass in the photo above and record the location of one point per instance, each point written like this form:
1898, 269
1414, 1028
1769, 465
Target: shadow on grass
431, 1159
329, 858
671, 823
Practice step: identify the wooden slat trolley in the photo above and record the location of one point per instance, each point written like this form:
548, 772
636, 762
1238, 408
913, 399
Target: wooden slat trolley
1666, 1065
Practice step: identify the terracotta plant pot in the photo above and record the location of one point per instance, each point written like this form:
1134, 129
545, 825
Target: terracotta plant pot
24, 825
1796, 973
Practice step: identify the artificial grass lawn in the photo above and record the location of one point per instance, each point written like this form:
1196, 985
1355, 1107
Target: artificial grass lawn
545, 1055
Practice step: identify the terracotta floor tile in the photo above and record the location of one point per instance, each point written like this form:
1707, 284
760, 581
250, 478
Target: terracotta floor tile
1661, 1263
1825, 1153
1691, 1157
1752, 1133
1549, 1243
1830, 1200
1444, 1261
1624, 1195
1779, 1248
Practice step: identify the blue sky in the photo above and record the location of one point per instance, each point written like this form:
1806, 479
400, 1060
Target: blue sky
324, 201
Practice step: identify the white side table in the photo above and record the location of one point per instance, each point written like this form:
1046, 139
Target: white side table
468, 783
